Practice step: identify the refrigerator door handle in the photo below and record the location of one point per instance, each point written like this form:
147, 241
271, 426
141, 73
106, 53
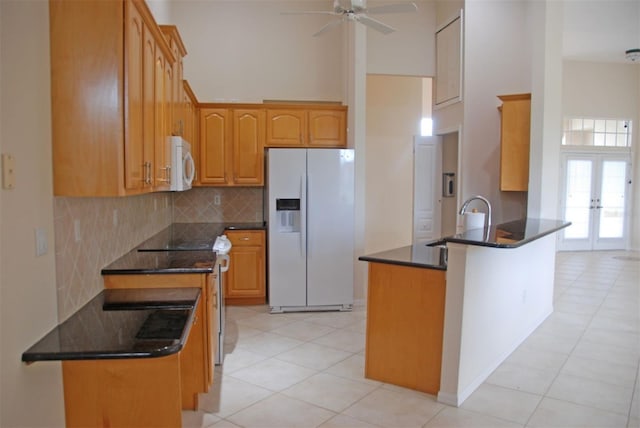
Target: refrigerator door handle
303, 214
308, 215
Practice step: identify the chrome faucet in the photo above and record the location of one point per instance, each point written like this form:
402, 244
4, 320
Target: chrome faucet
463, 209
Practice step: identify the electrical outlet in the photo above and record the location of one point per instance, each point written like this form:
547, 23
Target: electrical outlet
76, 230
216, 200
42, 246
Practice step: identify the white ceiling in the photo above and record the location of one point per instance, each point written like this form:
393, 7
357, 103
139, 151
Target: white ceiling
600, 30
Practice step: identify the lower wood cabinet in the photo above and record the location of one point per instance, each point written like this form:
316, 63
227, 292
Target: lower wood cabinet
245, 281
405, 326
197, 357
141, 392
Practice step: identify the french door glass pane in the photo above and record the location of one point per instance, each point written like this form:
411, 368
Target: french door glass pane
578, 198
613, 203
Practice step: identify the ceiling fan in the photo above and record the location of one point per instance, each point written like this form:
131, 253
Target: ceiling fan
357, 10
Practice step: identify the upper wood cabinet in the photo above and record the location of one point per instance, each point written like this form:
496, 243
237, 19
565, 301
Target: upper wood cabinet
100, 96
515, 127
248, 147
306, 126
285, 127
215, 132
327, 128
163, 100
178, 118
232, 146
191, 131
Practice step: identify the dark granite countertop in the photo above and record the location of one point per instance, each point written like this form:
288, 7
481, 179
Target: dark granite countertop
159, 262
419, 255
179, 248
192, 236
511, 234
123, 323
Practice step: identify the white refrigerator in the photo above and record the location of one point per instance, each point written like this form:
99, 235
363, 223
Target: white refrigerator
310, 203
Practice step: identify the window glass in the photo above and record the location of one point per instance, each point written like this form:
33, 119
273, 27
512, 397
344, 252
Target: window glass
579, 131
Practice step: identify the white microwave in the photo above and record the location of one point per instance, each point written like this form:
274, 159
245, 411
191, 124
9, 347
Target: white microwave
183, 168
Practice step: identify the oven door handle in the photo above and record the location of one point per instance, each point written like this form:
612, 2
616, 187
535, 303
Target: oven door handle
225, 261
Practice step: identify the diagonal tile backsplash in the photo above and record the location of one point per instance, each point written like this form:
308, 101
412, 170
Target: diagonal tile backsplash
239, 204
90, 233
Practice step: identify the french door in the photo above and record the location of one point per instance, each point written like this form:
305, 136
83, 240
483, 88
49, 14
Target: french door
595, 199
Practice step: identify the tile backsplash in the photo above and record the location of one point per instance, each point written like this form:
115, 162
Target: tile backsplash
90, 233
239, 204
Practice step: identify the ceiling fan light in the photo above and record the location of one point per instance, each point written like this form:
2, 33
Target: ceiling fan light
633, 55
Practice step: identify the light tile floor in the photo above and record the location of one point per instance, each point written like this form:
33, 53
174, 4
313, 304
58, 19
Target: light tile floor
579, 368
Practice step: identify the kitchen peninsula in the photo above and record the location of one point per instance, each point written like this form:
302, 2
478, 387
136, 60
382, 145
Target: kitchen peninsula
440, 320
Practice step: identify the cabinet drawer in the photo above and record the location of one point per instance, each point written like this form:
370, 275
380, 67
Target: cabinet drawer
246, 237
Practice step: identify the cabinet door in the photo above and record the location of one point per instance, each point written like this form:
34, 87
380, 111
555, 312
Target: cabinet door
285, 128
245, 279
135, 168
214, 150
327, 128
162, 157
514, 142
149, 108
212, 311
191, 130
248, 147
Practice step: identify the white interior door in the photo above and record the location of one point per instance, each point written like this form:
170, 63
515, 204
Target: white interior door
595, 199
427, 188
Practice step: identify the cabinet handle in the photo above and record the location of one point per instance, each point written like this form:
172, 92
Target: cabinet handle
147, 172
167, 174
245, 238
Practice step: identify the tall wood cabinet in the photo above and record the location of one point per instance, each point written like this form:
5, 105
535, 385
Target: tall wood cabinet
515, 128
231, 146
245, 281
101, 97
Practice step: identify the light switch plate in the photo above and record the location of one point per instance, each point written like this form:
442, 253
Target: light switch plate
8, 171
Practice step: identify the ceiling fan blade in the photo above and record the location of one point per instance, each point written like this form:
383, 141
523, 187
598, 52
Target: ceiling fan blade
376, 25
393, 8
327, 27
308, 12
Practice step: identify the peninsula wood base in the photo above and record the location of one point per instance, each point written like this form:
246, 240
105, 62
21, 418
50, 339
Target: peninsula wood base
405, 316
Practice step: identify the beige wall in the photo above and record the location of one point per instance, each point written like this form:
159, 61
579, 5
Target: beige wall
29, 395
409, 51
248, 51
394, 110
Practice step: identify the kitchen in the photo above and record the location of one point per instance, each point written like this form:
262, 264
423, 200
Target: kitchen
103, 243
